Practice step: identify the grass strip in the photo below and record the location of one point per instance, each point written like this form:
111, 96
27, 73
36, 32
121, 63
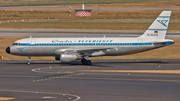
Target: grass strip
50, 2
84, 26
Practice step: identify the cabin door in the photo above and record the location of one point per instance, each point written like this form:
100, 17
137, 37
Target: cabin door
29, 43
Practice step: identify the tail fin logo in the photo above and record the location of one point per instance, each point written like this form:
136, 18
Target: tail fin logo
163, 22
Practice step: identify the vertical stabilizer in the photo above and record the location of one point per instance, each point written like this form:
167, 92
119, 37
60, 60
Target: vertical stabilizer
159, 27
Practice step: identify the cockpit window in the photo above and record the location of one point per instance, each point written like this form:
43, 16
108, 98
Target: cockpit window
16, 44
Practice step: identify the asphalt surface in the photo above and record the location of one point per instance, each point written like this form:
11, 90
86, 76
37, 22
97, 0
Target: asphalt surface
78, 33
53, 81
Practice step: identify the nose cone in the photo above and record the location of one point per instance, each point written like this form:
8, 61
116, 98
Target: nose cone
8, 50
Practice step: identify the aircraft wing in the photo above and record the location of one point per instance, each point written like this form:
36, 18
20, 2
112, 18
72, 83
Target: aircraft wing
81, 51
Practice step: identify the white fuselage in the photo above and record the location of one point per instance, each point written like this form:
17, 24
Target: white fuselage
107, 46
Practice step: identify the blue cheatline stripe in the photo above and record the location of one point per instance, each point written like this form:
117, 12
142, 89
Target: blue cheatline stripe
168, 43
158, 29
163, 16
84, 44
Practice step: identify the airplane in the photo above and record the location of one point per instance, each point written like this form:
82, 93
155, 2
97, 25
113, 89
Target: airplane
69, 50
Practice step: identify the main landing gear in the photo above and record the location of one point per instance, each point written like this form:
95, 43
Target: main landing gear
29, 60
86, 62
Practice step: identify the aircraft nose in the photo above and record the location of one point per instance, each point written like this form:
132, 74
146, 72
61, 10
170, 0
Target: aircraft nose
8, 50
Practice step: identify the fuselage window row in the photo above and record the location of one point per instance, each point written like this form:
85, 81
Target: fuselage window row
83, 44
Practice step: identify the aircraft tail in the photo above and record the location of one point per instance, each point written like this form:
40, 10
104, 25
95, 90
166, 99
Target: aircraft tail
159, 27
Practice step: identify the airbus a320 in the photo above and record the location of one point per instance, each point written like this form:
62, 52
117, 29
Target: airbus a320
69, 50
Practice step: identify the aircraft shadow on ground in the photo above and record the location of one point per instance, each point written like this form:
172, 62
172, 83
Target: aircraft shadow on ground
64, 64
94, 63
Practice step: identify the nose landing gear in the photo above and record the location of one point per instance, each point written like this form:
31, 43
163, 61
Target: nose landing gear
29, 60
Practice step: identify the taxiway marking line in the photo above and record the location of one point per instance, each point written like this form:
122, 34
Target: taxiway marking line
20, 91
149, 64
48, 97
19, 76
61, 77
6, 98
40, 70
135, 71
134, 74
125, 79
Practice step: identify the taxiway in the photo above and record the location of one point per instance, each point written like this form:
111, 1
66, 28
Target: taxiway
78, 33
104, 80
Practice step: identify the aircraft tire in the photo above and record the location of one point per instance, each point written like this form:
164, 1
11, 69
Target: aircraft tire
84, 61
28, 63
88, 62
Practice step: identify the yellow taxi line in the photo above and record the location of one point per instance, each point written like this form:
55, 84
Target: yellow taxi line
135, 71
126, 79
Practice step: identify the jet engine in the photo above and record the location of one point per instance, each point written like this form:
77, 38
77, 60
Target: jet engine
68, 57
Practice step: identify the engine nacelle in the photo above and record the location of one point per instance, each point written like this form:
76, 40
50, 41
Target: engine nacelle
66, 58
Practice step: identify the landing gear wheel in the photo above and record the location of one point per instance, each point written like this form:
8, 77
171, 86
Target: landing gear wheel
28, 63
83, 61
88, 62
29, 60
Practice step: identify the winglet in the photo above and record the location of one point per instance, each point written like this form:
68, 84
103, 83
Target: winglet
159, 27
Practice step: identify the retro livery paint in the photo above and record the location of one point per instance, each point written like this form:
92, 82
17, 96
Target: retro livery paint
82, 48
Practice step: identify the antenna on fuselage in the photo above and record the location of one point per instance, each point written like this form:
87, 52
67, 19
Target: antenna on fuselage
104, 36
30, 36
